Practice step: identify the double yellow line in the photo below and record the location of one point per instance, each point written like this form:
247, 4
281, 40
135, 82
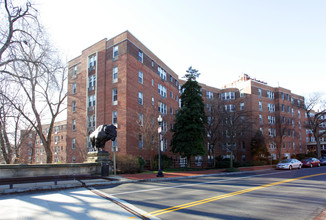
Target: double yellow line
215, 198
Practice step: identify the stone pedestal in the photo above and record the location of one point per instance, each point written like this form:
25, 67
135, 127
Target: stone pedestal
101, 158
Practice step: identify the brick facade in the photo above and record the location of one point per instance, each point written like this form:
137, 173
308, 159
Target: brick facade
128, 86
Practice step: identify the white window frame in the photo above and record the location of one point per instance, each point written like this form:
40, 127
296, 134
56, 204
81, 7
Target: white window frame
73, 106
115, 51
114, 96
140, 98
115, 74
140, 77
140, 56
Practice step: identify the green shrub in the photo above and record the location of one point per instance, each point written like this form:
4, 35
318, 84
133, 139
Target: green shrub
127, 164
141, 162
166, 162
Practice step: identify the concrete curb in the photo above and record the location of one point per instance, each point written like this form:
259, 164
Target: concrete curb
32, 187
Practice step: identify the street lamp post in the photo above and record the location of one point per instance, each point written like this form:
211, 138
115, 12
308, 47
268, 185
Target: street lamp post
159, 120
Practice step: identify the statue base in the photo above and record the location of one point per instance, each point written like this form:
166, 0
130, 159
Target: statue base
98, 157
102, 158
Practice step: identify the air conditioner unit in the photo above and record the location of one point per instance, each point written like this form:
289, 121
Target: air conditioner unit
55, 142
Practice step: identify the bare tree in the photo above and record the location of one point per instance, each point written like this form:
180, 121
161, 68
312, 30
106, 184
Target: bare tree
31, 65
315, 108
11, 123
214, 122
148, 128
235, 124
18, 22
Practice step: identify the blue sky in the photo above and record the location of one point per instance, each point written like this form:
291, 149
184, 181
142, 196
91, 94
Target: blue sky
282, 42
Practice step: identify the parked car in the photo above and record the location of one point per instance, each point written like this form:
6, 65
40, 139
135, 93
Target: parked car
289, 164
323, 160
311, 162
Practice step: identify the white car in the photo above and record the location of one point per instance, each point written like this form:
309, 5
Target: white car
289, 164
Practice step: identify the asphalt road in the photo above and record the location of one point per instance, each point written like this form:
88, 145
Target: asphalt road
273, 194
276, 194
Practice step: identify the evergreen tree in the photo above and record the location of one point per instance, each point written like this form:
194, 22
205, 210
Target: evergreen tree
258, 147
189, 129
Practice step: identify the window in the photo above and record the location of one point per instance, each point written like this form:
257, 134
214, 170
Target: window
282, 95
115, 117
270, 95
115, 74
73, 143
299, 114
271, 107
73, 106
152, 63
161, 72
229, 108
228, 95
74, 88
260, 119
171, 94
140, 56
260, 106
171, 110
74, 71
153, 101
91, 100
140, 77
115, 51
162, 90
152, 82
91, 82
242, 106
140, 119
271, 119
140, 98
91, 121
162, 107
261, 131
92, 62
115, 96
140, 141
259, 93
209, 95
73, 124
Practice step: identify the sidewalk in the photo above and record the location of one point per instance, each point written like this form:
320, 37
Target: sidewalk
120, 179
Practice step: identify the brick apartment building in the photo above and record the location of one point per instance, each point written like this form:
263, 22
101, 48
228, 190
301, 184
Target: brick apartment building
32, 151
27, 147
58, 144
279, 114
122, 82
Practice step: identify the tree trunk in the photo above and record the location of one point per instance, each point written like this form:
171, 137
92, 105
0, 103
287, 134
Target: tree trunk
231, 160
318, 148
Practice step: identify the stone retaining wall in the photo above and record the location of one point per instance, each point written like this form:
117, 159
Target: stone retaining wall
36, 170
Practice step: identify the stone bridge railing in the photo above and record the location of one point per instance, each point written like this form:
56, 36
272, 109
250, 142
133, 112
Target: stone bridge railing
36, 170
